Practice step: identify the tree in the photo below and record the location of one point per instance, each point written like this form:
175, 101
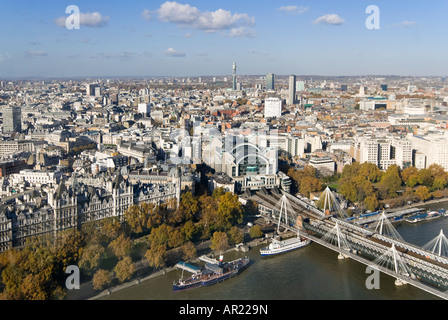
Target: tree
356, 188
235, 235
425, 177
189, 205
371, 203
121, 246
220, 241
189, 230
209, 211
176, 238
423, 193
189, 251
33, 287
101, 279
370, 171
137, 216
406, 175
310, 184
91, 257
156, 256
439, 183
110, 228
124, 269
437, 171
230, 210
390, 182
160, 235
256, 232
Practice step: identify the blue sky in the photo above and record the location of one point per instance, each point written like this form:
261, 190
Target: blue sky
193, 38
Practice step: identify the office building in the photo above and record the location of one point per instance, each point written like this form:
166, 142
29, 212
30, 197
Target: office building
144, 109
273, 108
12, 119
292, 89
383, 152
91, 90
432, 149
270, 81
234, 77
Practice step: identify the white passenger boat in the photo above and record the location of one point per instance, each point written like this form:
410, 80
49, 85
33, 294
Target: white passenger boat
282, 246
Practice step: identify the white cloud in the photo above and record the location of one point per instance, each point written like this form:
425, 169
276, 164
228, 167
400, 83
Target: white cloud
146, 14
170, 52
242, 32
89, 19
187, 15
123, 56
35, 53
4, 56
406, 24
294, 9
332, 19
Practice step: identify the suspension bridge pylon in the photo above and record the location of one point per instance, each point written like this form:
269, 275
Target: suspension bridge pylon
331, 204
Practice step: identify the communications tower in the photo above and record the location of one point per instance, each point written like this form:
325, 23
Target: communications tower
234, 77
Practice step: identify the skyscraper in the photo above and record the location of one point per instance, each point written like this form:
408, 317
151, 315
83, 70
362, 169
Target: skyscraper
12, 119
90, 90
270, 81
292, 89
234, 77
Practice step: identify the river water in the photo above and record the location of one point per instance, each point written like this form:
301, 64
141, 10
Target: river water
310, 273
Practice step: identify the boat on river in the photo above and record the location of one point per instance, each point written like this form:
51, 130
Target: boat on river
282, 246
213, 273
424, 216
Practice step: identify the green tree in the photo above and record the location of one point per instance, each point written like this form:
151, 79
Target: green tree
425, 177
235, 235
439, 183
256, 232
390, 182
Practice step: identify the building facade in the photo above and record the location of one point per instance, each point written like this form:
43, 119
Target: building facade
71, 203
273, 108
270, 82
12, 119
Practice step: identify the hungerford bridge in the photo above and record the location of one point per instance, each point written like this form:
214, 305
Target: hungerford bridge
379, 246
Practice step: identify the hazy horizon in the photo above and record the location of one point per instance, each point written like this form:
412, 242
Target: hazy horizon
194, 38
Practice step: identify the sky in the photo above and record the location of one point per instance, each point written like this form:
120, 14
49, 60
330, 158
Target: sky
148, 38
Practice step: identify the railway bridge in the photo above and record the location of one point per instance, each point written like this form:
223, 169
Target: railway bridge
379, 246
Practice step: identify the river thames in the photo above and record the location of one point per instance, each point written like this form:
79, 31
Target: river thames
310, 273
